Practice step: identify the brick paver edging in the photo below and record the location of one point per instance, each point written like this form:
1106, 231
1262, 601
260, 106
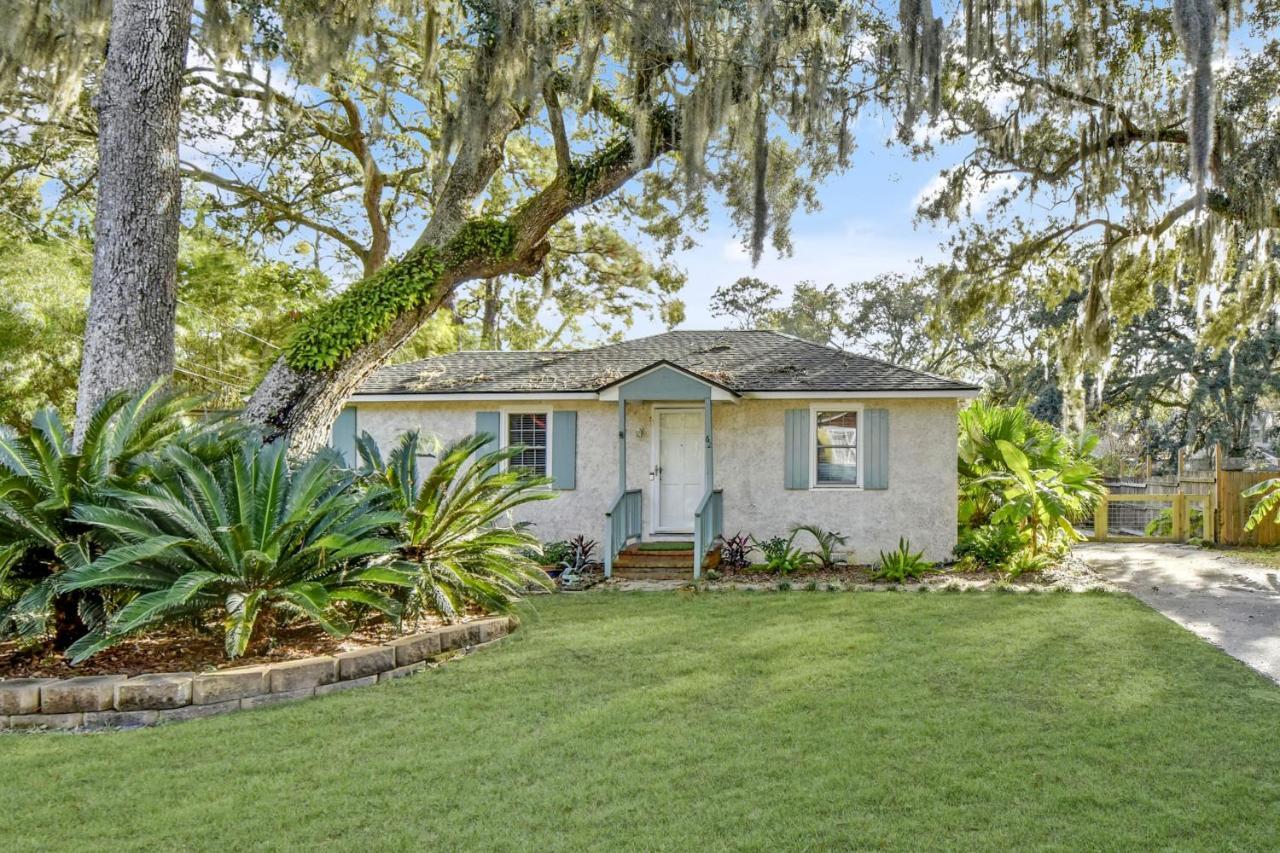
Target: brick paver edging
89, 702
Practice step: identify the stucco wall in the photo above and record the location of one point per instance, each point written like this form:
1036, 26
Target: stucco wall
920, 502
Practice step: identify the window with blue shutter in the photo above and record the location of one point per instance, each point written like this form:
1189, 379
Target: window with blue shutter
564, 449
876, 452
490, 424
795, 449
342, 437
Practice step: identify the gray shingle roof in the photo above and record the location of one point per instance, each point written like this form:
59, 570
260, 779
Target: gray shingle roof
741, 360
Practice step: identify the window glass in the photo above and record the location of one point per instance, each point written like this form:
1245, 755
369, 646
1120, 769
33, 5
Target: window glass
528, 430
837, 448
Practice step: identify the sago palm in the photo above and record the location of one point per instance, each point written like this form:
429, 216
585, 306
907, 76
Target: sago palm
42, 478
459, 544
243, 535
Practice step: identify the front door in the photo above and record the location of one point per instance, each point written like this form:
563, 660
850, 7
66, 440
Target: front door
678, 469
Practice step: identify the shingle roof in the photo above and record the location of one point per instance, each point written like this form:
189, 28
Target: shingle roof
743, 361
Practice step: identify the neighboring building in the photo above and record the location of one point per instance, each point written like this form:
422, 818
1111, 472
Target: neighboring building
687, 435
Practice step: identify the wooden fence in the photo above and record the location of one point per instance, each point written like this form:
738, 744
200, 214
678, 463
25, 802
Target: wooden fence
1209, 505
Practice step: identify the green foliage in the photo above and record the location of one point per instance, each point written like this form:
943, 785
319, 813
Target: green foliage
901, 564
553, 553
1021, 472
1268, 494
1162, 524
42, 482
1024, 562
990, 545
242, 534
781, 556
827, 540
457, 547
337, 329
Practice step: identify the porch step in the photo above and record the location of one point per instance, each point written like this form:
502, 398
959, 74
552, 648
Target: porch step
636, 564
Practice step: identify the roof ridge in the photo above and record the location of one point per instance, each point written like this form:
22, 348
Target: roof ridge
829, 347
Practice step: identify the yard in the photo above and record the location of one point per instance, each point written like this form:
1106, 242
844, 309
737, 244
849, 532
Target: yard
728, 720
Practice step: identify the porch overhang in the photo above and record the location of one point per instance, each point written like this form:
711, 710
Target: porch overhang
665, 381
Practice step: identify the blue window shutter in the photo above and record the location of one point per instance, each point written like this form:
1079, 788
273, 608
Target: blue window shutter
564, 449
489, 423
796, 449
342, 437
876, 453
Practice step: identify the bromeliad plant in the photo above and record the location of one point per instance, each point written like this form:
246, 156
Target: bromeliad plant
43, 477
902, 564
243, 535
1021, 472
457, 543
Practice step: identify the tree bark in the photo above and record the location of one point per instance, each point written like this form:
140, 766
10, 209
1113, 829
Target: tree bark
129, 335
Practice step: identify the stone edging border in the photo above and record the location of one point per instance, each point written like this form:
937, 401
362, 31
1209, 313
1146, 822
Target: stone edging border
90, 702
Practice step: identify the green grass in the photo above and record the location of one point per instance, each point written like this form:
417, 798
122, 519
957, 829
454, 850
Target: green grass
754, 721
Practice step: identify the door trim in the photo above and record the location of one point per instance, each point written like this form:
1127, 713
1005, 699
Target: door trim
654, 453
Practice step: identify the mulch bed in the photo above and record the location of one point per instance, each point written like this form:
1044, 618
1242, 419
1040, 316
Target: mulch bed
183, 649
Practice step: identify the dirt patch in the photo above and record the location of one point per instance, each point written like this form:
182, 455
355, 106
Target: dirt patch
184, 649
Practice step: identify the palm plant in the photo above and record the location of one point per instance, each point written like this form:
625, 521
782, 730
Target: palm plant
458, 544
1017, 470
43, 476
242, 533
827, 540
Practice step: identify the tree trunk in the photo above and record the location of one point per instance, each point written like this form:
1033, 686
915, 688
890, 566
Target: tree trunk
489, 322
128, 342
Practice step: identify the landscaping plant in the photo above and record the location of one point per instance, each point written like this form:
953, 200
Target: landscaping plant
1018, 471
43, 477
828, 541
243, 535
901, 564
457, 543
782, 557
734, 552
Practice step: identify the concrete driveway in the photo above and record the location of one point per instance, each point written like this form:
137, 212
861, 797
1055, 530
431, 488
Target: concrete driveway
1230, 602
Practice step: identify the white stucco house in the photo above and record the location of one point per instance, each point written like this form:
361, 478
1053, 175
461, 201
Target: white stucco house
690, 435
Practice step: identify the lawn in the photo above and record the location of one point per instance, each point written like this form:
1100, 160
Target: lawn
805, 720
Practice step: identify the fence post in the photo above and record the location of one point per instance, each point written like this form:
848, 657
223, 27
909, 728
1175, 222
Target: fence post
1180, 516
1100, 519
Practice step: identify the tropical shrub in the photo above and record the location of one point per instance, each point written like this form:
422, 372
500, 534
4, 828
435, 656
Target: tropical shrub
42, 478
242, 535
1024, 562
1268, 494
735, 552
901, 564
827, 540
457, 543
553, 553
782, 557
1162, 524
1021, 472
990, 545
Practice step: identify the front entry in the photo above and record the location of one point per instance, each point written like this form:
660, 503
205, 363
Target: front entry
679, 445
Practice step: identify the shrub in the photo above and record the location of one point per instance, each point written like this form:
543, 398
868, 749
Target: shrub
42, 479
782, 557
990, 545
243, 535
1019, 471
734, 552
457, 544
1024, 562
900, 565
553, 553
828, 541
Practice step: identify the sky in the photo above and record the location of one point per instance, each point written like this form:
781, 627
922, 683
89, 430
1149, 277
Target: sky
865, 227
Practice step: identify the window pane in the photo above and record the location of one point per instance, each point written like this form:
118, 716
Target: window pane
837, 448
528, 430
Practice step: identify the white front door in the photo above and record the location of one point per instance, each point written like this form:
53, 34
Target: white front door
679, 468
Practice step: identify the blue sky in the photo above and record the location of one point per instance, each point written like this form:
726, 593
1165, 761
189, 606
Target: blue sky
865, 227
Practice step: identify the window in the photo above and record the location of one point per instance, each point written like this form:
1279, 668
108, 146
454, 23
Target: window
836, 448
529, 431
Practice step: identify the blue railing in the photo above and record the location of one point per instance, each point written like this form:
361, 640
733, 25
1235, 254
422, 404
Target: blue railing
708, 526
622, 523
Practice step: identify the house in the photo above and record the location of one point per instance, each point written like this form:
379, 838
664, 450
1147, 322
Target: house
697, 434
